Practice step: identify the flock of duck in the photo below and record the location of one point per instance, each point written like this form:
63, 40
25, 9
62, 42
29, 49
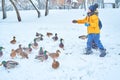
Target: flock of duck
25, 51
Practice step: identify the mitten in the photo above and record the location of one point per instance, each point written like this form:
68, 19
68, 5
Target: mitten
87, 24
74, 21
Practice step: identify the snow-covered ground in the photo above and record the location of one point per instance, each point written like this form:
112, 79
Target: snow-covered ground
74, 65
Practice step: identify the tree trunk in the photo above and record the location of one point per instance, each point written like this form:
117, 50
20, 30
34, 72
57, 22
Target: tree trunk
93, 1
85, 4
102, 3
3, 9
17, 12
46, 8
35, 8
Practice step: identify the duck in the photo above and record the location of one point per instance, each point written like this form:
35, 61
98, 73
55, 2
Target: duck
13, 53
38, 34
13, 41
19, 49
49, 34
42, 57
61, 45
1, 52
24, 55
28, 49
9, 64
45, 55
54, 55
41, 52
40, 38
55, 38
39, 57
83, 37
35, 44
55, 64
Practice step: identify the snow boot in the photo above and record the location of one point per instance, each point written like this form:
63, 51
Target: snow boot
103, 52
88, 51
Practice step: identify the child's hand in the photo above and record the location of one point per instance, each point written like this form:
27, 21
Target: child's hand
74, 21
87, 24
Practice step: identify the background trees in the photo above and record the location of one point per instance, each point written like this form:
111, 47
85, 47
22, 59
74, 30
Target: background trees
53, 4
37, 5
13, 2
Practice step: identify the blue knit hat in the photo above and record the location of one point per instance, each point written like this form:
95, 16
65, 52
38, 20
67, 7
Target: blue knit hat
92, 8
96, 5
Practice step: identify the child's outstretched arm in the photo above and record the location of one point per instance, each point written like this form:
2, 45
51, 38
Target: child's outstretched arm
82, 21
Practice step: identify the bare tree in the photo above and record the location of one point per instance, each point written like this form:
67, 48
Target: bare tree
17, 12
46, 8
16, 9
35, 8
117, 3
85, 4
3, 9
102, 3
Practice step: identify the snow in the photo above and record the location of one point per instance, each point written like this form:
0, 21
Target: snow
74, 65
74, 1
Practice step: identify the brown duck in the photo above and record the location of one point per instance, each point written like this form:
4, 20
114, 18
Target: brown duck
24, 55
19, 49
55, 64
13, 53
54, 55
13, 41
49, 34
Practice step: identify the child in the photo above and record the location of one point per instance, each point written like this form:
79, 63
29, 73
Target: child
91, 21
